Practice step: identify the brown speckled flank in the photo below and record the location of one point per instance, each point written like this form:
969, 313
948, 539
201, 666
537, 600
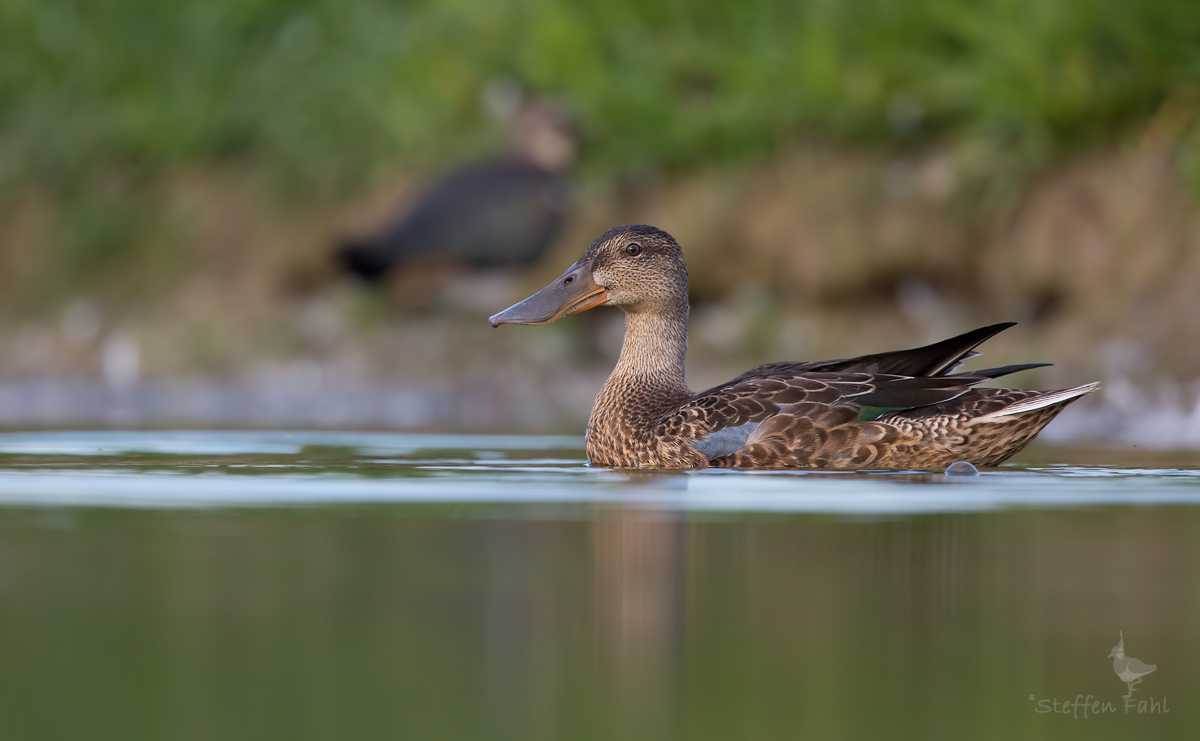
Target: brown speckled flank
895, 410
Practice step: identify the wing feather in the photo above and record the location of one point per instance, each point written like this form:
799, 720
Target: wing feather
800, 405
938, 359
753, 400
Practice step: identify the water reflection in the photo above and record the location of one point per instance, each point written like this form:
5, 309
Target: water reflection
394, 621
396, 589
640, 571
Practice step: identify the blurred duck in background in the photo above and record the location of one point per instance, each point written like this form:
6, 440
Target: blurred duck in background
501, 212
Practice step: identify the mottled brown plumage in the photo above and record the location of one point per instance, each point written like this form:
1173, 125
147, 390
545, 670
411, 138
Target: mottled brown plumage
896, 410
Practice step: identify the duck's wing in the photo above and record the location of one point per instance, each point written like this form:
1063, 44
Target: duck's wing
822, 398
720, 420
985, 426
938, 359
717, 421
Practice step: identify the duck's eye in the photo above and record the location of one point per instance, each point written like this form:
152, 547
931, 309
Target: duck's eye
633, 249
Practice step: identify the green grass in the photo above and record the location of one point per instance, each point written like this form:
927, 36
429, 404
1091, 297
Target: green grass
98, 100
321, 90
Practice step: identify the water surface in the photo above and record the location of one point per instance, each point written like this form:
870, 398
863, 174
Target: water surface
200, 585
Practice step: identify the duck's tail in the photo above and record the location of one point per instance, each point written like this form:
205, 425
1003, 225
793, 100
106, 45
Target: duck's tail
998, 435
1043, 400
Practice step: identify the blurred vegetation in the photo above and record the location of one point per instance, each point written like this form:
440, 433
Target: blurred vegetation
322, 90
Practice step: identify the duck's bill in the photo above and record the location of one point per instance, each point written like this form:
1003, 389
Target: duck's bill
572, 292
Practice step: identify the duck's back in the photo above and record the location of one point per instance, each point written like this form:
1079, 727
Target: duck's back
889, 410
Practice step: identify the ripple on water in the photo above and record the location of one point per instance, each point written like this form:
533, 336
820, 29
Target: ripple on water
260, 469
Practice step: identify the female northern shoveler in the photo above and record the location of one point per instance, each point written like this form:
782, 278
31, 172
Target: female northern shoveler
899, 410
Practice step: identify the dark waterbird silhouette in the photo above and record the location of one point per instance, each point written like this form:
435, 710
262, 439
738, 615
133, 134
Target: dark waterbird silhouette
504, 211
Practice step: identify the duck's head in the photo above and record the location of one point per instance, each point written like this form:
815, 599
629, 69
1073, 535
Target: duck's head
639, 268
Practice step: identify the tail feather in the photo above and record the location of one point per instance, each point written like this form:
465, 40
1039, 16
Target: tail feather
938, 359
1041, 401
1003, 370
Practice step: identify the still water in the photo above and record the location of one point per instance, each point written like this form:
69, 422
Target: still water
230, 585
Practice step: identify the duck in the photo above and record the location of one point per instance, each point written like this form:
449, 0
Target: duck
903, 410
504, 211
1129, 670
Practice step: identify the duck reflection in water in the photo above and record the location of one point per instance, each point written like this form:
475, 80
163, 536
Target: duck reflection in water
639, 557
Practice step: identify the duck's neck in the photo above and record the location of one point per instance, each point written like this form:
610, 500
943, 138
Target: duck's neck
649, 378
